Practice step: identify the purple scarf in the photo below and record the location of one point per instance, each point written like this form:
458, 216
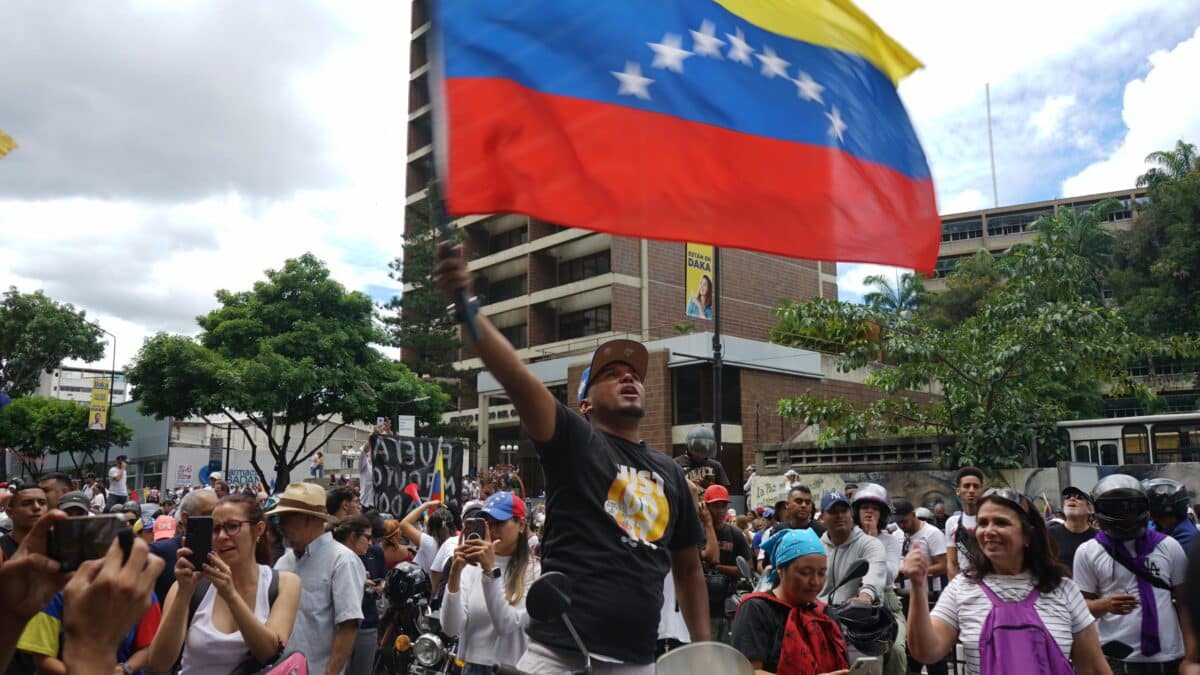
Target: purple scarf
1144, 546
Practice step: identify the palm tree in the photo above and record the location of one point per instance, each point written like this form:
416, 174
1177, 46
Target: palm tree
901, 300
1083, 234
1172, 165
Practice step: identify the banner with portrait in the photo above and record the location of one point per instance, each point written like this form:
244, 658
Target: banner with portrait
97, 419
698, 282
397, 461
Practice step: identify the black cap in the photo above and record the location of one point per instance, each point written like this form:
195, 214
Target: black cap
1072, 490
122, 458
901, 507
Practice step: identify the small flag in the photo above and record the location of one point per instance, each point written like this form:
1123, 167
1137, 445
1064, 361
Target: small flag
772, 126
437, 488
7, 144
1047, 512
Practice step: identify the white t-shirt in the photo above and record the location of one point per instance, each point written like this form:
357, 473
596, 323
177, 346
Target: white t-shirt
933, 544
116, 482
444, 554
670, 618
965, 606
964, 561
892, 545
426, 553
1097, 572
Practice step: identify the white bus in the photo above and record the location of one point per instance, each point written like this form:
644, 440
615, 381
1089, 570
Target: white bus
1145, 439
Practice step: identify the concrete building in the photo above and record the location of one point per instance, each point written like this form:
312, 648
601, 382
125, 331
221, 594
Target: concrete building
75, 384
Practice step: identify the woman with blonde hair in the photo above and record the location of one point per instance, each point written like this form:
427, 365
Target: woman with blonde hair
484, 603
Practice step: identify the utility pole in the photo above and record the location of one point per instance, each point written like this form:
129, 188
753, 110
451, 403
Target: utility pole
716, 350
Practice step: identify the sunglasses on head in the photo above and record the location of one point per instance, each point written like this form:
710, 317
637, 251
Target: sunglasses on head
1013, 498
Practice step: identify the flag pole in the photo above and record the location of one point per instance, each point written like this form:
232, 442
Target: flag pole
716, 349
465, 310
987, 92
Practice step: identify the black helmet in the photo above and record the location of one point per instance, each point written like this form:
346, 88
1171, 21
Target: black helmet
871, 629
872, 493
407, 582
1166, 497
701, 441
1122, 508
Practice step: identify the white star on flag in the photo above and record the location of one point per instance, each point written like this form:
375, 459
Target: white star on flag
741, 49
632, 81
808, 87
706, 42
669, 53
837, 126
772, 64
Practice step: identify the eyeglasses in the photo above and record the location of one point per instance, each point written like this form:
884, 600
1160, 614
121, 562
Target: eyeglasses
229, 527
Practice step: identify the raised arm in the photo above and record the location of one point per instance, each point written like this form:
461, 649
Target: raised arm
534, 403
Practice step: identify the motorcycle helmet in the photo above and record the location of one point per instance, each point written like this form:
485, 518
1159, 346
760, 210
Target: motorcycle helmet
406, 582
701, 441
1122, 508
872, 493
1166, 497
870, 628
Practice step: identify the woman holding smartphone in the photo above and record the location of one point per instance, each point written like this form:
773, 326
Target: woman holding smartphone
236, 617
484, 603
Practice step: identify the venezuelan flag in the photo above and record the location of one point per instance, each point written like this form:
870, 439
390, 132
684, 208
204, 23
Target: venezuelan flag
437, 488
771, 125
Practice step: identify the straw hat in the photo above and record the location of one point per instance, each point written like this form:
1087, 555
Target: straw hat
303, 498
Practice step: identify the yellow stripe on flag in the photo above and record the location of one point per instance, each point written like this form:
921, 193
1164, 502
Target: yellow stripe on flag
836, 24
7, 144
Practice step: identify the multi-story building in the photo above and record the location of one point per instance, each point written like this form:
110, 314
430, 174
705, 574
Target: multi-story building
75, 384
557, 292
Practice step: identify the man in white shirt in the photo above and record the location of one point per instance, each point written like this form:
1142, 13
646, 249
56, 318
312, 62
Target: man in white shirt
1138, 609
932, 543
960, 528
117, 492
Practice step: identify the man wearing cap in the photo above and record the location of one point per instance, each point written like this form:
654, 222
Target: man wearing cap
722, 577
1077, 512
933, 546
846, 543
118, 493
196, 503
74, 504
619, 513
331, 575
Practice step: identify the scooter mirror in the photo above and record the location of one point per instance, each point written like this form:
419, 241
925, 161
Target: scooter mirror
744, 568
549, 597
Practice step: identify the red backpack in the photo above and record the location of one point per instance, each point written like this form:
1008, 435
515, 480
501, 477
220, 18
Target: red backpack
812, 641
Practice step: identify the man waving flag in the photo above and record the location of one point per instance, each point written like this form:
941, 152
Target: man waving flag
756, 124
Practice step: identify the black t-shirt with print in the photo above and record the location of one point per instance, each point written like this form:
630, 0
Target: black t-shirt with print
1068, 542
703, 473
731, 543
615, 510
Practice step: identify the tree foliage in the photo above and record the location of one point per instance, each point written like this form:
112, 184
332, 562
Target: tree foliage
291, 359
1035, 350
39, 427
972, 280
36, 335
902, 298
1171, 165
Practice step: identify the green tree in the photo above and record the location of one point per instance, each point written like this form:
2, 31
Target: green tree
1172, 165
39, 427
417, 321
36, 335
903, 298
1035, 351
1084, 235
972, 280
291, 359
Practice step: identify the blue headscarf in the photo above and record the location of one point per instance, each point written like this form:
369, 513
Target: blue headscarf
787, 545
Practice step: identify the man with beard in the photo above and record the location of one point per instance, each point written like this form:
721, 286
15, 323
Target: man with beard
1077, 513
793, 514
619, 514
960, 528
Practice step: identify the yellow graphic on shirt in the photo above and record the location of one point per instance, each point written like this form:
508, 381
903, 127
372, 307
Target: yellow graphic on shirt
637, 501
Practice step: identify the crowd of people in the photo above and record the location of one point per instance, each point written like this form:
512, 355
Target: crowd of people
657, 558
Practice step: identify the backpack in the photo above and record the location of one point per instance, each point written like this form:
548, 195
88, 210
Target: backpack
1014, 639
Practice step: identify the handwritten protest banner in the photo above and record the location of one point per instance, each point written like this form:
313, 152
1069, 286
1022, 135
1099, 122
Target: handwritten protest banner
398, 461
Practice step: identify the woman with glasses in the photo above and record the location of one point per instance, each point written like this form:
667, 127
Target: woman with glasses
355, 534
1019, 580
234, 624
484, 603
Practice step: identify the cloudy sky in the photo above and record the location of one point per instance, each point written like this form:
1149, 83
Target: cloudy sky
171, 148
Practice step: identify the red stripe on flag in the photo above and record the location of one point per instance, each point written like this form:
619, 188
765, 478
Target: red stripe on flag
619, 170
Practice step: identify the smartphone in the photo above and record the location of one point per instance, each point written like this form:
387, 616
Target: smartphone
80, 538
862, 666
199, 537
379, 422
474, 529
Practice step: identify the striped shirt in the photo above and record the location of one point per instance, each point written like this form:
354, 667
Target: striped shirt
965, 607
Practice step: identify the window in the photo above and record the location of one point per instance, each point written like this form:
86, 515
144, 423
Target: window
505, 289
1097, 452
584, 322
692, 394
945, 266
1014, 223
1122, 212
151, 475
518, 335
1176, 442
505, 240
586, 267
957, 230
1137, 444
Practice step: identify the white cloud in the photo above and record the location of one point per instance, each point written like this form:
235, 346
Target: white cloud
1159, 109
852, 279
967, 200
1048, 118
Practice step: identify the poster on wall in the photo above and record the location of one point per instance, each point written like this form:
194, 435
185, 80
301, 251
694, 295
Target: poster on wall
397, 461
183, 475
698, 281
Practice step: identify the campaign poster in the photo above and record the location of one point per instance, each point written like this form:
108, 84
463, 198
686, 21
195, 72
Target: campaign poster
698, 281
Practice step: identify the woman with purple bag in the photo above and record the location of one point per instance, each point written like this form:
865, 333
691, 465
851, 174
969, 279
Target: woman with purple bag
1015, 611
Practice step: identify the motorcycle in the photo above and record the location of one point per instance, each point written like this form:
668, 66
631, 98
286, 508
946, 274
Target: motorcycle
406, 591
549, 599
434, 650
